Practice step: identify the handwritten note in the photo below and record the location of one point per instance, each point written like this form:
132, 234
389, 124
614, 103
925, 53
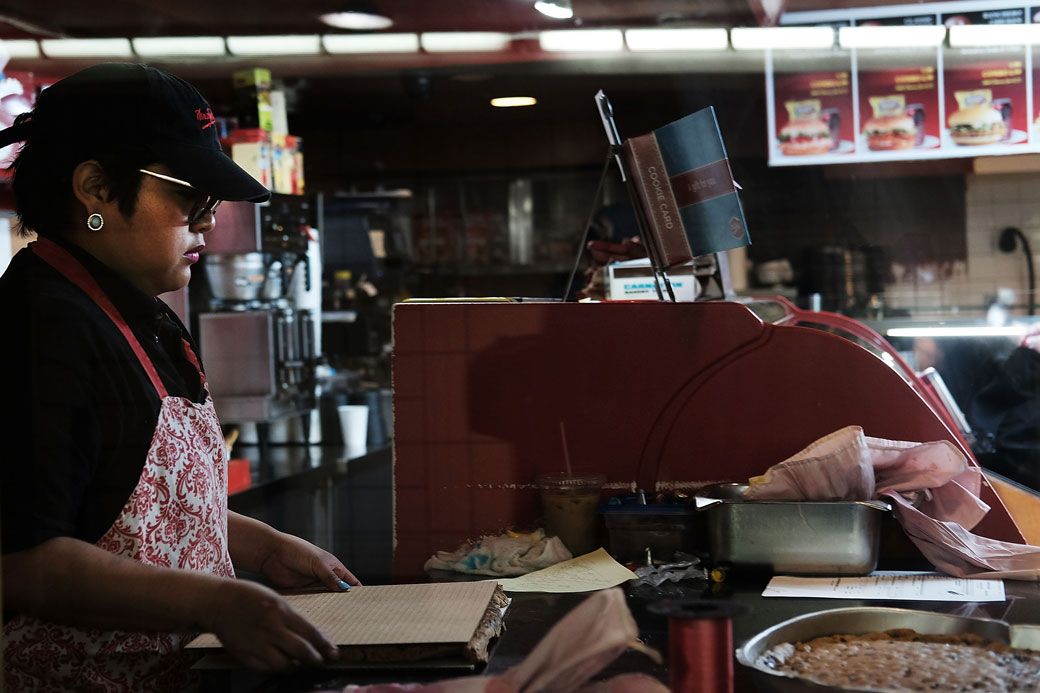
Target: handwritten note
593, 571
894, 585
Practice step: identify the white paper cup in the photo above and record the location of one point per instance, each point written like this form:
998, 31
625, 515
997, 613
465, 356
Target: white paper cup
353, 420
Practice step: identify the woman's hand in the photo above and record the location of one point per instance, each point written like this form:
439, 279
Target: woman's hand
293, 562
285, 560
259, 629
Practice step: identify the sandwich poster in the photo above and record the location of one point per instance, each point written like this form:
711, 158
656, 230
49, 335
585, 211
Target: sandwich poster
986, 105
899, 109
813, 115
912, 102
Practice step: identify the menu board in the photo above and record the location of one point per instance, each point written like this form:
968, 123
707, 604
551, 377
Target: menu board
815, 112
906, 103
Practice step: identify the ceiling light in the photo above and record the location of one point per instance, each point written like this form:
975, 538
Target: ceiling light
21, 48
274, 45
677, 39
464, 41
966, 331
510, 101
964, 35
179, 45
557, 9
371, 43
761, 38
580, 40
357, 20
86, 48
890, 36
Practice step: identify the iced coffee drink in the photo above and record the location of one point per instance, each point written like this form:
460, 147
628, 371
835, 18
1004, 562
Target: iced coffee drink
569, 503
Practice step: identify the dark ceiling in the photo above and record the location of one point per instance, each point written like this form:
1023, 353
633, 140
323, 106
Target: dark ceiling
354, 109
83, 19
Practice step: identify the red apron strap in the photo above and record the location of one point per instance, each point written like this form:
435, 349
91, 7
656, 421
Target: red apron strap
189, 354
69, 267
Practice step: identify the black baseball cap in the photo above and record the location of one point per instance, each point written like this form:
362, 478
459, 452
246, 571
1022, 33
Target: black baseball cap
136, 103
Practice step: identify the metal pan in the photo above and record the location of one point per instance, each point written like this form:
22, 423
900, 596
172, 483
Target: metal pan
804, 538
854, 621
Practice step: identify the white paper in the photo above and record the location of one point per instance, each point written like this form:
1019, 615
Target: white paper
593, 571
895, 585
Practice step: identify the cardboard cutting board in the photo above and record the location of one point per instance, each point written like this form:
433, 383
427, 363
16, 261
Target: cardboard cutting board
448, 612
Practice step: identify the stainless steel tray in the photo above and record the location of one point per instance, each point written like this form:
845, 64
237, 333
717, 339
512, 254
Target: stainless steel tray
807, 538
852, 620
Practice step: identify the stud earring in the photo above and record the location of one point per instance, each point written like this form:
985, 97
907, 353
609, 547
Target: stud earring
95, 221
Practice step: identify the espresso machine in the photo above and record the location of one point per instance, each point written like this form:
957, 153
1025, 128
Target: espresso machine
258, 311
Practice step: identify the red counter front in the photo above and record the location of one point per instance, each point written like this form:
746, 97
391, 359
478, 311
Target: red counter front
654, 395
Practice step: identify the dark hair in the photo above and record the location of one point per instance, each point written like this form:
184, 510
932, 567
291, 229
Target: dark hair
42, 181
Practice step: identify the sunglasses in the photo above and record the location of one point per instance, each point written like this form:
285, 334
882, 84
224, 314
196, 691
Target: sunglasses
200, 209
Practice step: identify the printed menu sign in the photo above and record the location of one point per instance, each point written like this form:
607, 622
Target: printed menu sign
1014, 15
905, 102
814, 114
899, 109
986, 104
912, 20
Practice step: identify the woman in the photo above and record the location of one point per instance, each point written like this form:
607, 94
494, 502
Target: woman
117, 543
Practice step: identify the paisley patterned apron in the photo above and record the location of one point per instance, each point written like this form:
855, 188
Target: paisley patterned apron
176, 517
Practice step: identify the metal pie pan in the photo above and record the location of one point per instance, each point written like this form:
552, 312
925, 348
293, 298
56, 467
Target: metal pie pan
854, 621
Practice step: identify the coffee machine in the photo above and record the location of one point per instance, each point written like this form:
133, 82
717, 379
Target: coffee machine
258, 309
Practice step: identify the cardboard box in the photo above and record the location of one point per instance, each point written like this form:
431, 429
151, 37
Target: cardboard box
633, 280
252, 98
252, 150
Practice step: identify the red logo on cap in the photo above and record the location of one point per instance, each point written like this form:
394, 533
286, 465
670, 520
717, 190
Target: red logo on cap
205, 117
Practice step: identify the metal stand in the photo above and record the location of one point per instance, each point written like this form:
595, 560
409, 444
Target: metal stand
660, 275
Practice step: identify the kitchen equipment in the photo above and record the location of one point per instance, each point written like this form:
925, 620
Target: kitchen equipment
634, 528
236, 277
855, 621
807, 538
258, 343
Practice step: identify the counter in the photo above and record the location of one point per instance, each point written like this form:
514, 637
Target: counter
531, 616
342, 503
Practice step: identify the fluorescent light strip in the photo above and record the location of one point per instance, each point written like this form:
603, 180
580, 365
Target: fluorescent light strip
677, 39
86, 48
511, 101
179, 45
21, 48
966, 331
464, 41
274, 45
891, 36
371, 43
582, 40
761, 38
966, 35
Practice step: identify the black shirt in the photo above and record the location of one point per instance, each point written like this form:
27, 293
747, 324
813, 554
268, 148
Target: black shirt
82, 410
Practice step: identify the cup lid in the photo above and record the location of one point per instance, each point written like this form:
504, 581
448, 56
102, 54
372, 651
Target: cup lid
574, 480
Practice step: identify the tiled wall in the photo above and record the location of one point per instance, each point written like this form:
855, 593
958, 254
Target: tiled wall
992, 203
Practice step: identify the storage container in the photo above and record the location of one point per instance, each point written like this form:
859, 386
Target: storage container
788, 537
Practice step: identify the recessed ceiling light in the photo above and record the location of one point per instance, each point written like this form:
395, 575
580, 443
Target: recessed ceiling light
557, 9
510, 101
357, 20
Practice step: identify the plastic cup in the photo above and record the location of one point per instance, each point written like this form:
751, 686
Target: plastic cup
569, 502
353, 420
